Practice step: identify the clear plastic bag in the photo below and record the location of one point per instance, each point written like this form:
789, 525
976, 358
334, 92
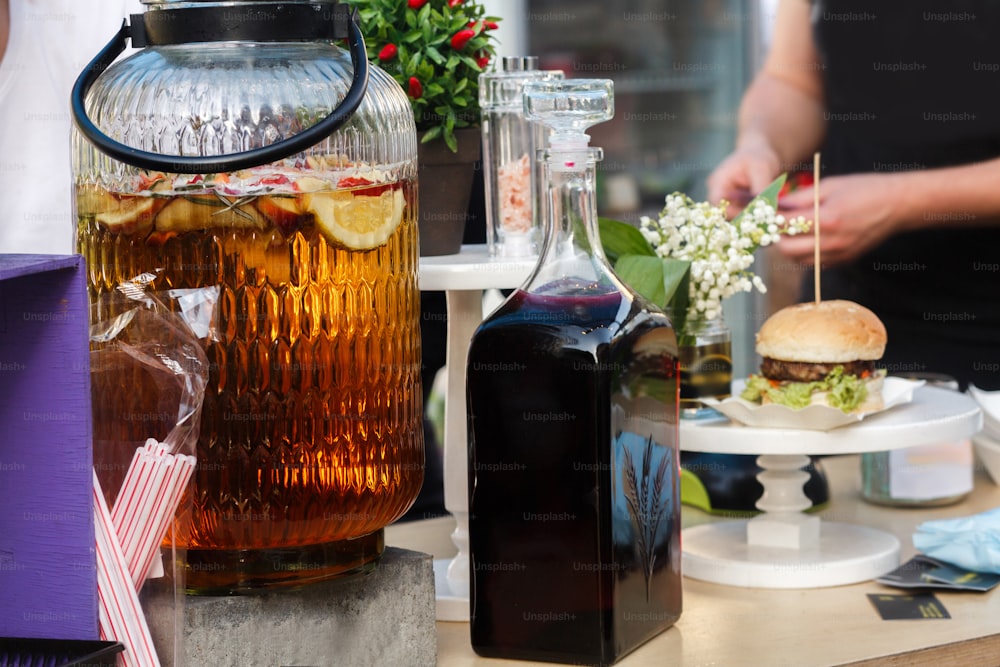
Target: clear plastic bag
148, 377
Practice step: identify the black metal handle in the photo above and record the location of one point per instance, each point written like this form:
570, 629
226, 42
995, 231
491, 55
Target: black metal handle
222, 163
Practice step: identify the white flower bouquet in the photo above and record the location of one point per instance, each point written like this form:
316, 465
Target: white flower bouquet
690, 258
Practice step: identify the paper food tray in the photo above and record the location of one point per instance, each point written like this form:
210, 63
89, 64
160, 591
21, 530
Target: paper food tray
895, 391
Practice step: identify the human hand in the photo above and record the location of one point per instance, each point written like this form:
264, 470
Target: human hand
856, 213
742, 175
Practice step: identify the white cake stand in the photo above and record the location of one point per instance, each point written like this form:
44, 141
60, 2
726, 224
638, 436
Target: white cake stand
463, 277
784, 548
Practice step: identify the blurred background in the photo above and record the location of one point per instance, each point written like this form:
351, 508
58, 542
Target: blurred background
679, 69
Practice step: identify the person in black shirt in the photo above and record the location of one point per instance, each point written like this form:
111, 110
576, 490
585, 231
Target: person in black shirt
903, 102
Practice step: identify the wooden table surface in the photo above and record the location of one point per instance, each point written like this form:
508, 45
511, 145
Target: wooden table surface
725, 626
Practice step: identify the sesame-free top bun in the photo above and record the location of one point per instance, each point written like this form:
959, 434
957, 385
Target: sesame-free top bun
825, 332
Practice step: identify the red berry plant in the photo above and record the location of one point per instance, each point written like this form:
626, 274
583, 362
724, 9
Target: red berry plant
436, 50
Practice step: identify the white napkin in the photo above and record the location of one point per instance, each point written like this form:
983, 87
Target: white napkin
971, 542
989, 401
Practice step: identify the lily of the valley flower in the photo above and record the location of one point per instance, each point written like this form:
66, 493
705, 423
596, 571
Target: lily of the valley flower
720, 251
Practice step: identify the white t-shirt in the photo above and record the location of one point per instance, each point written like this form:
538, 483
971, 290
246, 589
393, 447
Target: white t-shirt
50, 43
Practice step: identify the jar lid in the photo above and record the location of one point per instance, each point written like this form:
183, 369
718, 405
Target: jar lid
502, 90
253, 22
518, 63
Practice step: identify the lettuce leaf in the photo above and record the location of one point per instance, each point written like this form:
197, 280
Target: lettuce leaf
846, 392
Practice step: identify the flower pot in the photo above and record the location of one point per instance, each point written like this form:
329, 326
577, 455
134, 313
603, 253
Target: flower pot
445, 189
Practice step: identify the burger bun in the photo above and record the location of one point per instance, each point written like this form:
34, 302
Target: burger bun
830, 332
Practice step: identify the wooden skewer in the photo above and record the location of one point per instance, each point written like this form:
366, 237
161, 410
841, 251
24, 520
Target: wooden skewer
816, 257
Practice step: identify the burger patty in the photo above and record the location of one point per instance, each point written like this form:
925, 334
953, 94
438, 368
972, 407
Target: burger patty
806, 371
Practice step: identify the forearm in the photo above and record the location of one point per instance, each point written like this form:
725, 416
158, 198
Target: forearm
965, 195
778, 114
783, 107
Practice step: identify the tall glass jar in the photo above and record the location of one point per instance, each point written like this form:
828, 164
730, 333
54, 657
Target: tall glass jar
574, 532
245, 161
706, 363
510, 172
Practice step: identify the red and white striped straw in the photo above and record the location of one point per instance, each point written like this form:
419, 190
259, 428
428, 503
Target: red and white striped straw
147, 504
121, 616
128, 541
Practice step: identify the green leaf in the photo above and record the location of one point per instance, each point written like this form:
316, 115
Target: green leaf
664, 282
644, 275
435, 55
620, 238
414, 62
411, 37
424, 70
451, 141
677, 285
431, 134
768, 194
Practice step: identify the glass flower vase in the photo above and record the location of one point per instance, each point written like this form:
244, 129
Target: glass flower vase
706, 364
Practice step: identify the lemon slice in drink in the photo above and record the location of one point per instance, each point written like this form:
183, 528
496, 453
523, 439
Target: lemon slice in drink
356, 221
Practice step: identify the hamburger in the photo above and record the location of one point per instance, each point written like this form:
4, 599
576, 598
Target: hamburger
820, 353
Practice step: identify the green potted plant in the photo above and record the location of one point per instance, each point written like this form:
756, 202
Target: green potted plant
436, 50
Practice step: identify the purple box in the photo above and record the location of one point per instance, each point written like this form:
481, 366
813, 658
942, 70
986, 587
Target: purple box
48, 576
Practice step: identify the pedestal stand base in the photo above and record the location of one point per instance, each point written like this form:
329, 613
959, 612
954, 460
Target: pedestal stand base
452, 605
844, 554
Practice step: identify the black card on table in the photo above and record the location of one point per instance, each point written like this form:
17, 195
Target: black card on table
892, 607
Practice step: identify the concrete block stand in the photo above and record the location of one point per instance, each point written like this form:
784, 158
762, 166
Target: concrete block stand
386, 617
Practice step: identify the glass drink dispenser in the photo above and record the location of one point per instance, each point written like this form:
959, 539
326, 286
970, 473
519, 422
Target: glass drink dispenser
243, 159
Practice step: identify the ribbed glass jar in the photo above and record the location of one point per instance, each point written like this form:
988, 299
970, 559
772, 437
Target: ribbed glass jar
311, 435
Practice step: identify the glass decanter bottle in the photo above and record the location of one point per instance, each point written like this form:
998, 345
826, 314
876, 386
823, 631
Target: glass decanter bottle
573, 417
